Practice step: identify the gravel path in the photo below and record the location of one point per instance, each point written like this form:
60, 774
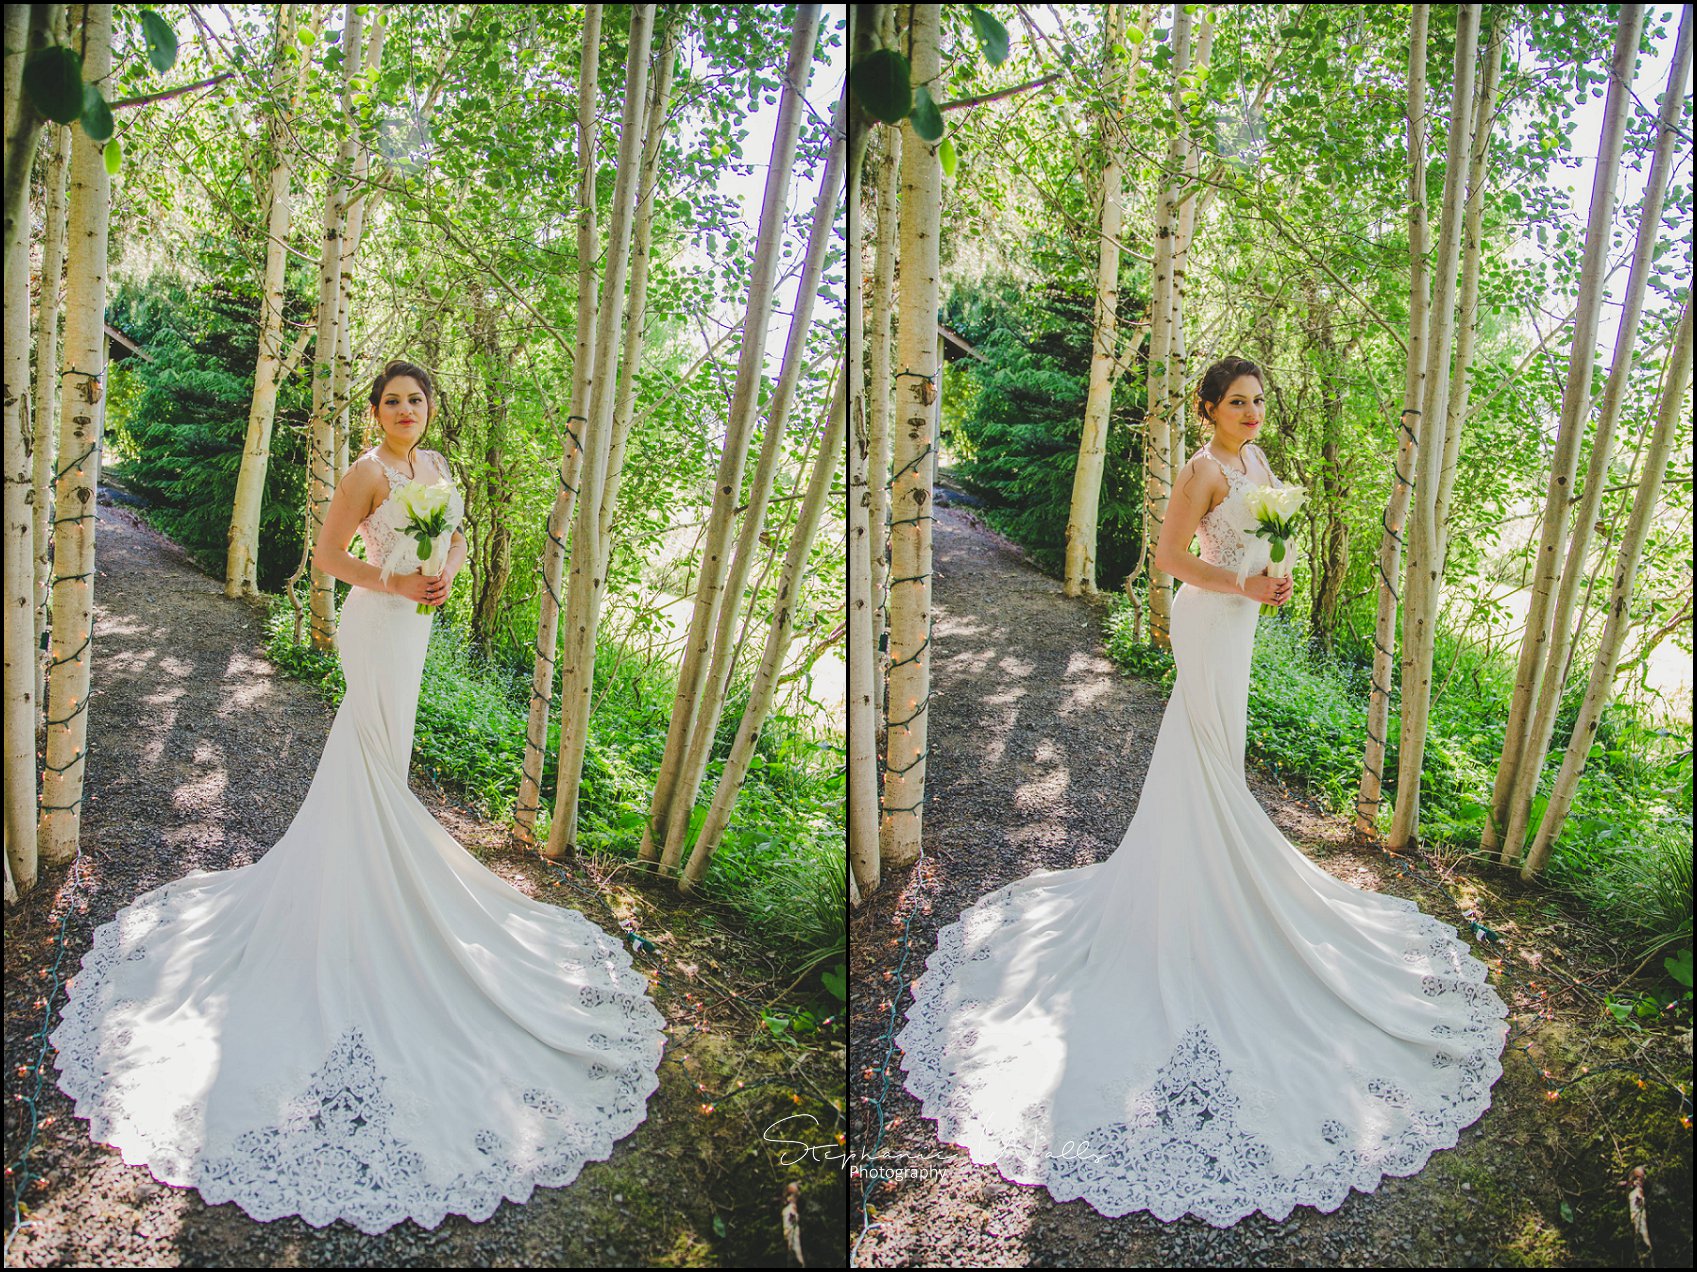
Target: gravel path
1038, 748
200, 754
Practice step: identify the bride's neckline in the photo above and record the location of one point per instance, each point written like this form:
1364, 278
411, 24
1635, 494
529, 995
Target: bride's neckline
1243, 472
390, 463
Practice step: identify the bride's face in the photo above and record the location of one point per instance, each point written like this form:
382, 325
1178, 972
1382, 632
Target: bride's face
403, 411
1241, 412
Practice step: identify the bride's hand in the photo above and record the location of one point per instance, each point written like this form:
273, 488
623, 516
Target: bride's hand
420, 588
1266, 589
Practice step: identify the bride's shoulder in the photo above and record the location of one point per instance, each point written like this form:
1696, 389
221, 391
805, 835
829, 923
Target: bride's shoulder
1202, 477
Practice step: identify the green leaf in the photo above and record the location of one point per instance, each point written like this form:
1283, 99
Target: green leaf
882, 82
836, 980
53, 80
96, 114
1278, 553
161, 41
992, 37
1679, 967
1133, 35
114, 157
1566, 1213
719, 1225
927, 119
946, 155
306, 36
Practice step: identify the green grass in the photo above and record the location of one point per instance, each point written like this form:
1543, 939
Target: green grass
780, 864
1624, 849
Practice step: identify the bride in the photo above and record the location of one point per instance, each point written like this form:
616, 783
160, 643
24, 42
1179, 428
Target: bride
1206, 1022
366, 1024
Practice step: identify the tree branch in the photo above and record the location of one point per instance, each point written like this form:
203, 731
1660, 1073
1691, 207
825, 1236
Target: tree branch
997, 96
171, 92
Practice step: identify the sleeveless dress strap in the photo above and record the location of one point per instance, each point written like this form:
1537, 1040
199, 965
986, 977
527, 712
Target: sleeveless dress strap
395, 474
1224, 467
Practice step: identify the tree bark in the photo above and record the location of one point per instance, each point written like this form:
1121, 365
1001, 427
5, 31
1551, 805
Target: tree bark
825, 467
587, 583
625, 413
1674, 403
28, 27
570, 474
46, 414
722, 671
1575, 571
879, 400
1422, 580
1178, 352
744, 403
1389, 563
1515, 781
1158, 419
915, 385
1080, 576
320, 431
19, 571
866, 534
82, 387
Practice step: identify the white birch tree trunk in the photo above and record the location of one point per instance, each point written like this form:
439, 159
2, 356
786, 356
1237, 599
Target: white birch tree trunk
1574, 572
1080, 576
82, 386
320, 431
879, 403
1675, 402
1422, 581
1484, 112
552, 565
864, 525
1158, 421
722, 671
27, 27
739, 426
826, 466
1178, 353
46, 414
915, 386
585, 589
241, 561
19, 573
624, 414
360, 203
1394, 518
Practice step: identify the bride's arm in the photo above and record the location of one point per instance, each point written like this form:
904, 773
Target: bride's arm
1185, 510
349, 506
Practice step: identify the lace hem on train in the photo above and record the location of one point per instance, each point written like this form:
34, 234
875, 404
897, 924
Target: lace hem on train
1180, 1148
336, 1148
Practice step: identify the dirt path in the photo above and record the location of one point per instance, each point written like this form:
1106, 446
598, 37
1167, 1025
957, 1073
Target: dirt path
200, 754
1037, 750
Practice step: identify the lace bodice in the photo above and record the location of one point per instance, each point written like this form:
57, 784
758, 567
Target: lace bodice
378, 530
1225, 531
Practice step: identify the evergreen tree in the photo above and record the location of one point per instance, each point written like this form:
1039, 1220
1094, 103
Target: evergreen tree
1019, 436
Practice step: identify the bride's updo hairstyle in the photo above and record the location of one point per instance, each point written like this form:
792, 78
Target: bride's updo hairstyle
1217, 379
392, 371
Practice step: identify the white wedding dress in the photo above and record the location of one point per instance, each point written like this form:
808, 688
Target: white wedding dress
366, 1024
1206, 1022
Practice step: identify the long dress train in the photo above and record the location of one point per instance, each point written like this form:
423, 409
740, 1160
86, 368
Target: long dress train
366, 1024
1205, 1022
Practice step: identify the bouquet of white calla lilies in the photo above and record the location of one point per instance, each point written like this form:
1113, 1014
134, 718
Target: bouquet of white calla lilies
1275, 509
425, 535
